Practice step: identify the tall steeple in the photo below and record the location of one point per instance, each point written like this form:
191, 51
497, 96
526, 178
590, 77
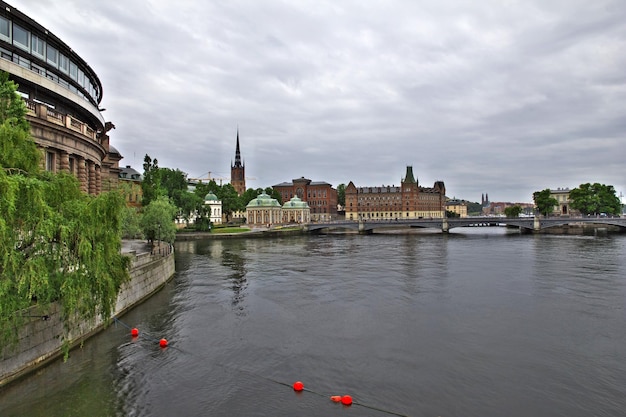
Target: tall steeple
237, 153
238, 171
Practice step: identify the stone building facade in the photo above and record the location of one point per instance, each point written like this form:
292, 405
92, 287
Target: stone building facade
62, 95
131, 178
561, 195
390, 202
457, 207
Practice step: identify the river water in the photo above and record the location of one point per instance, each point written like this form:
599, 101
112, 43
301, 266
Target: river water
478, 322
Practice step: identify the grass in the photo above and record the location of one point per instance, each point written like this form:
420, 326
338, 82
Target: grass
217, 230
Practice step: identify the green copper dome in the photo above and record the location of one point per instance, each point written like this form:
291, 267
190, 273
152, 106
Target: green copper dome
210, 197
296, 203
263, 200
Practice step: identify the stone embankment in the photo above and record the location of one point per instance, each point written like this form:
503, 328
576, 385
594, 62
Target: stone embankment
40, 340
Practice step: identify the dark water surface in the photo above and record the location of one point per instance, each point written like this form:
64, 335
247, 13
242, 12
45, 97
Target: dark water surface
480, 322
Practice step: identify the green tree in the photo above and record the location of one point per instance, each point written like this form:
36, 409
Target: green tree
544, 202
249, 195
341, 195
56, 243
231, 202
513, 211
274, 194
203, 188
131, 223
595, 199
151, 180
203, 223
474, 209
157, 220
17, 150
187, 203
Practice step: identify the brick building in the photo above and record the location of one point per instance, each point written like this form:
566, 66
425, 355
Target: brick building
391, 202
238, 171
319, 195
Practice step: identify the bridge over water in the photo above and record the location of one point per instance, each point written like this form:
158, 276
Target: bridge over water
445, 224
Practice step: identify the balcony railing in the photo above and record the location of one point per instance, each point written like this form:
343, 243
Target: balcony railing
42, 111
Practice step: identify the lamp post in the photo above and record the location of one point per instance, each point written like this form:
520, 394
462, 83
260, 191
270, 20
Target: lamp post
159, 237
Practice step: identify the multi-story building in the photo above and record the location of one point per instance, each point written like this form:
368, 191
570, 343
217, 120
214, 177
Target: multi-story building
132, 185
389, 202
320, 196
62, 94
458, 207
562, 197
214, 208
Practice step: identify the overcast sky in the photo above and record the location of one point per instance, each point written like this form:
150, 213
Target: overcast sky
501, 97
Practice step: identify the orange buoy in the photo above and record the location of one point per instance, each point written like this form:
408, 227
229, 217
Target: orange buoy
298, 386
346, 400
163, 343
336, 398
134, 332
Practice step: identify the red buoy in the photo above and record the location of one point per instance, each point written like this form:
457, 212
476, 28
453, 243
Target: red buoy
298, 386
346, 400
163, 343
134, 332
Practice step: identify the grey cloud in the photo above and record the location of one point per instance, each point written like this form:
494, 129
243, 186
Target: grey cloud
502, 98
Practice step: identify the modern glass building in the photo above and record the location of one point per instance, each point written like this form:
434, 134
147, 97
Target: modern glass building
62, 94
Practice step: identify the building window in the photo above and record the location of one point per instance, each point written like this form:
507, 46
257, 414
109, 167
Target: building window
50, 162
73, 71
21, 37
52, 56
64, 63
5, 29
39, 47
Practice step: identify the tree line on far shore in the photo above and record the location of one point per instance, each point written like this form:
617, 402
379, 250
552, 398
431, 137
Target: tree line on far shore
588, 199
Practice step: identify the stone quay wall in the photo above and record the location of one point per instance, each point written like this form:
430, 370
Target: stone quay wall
40, 340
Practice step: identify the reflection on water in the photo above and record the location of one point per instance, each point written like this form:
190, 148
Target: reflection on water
473, 323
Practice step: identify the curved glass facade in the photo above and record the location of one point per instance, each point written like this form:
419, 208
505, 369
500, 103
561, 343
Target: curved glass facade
42, 53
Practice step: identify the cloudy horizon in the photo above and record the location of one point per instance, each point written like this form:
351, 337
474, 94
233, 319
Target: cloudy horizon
502, 98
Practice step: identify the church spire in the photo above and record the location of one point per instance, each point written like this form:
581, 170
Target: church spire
238, 171
237, 153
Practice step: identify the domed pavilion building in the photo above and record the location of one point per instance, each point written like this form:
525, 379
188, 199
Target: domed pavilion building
296, 211
263, 211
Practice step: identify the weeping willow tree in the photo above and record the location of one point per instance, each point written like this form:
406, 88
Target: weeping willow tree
57, 244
